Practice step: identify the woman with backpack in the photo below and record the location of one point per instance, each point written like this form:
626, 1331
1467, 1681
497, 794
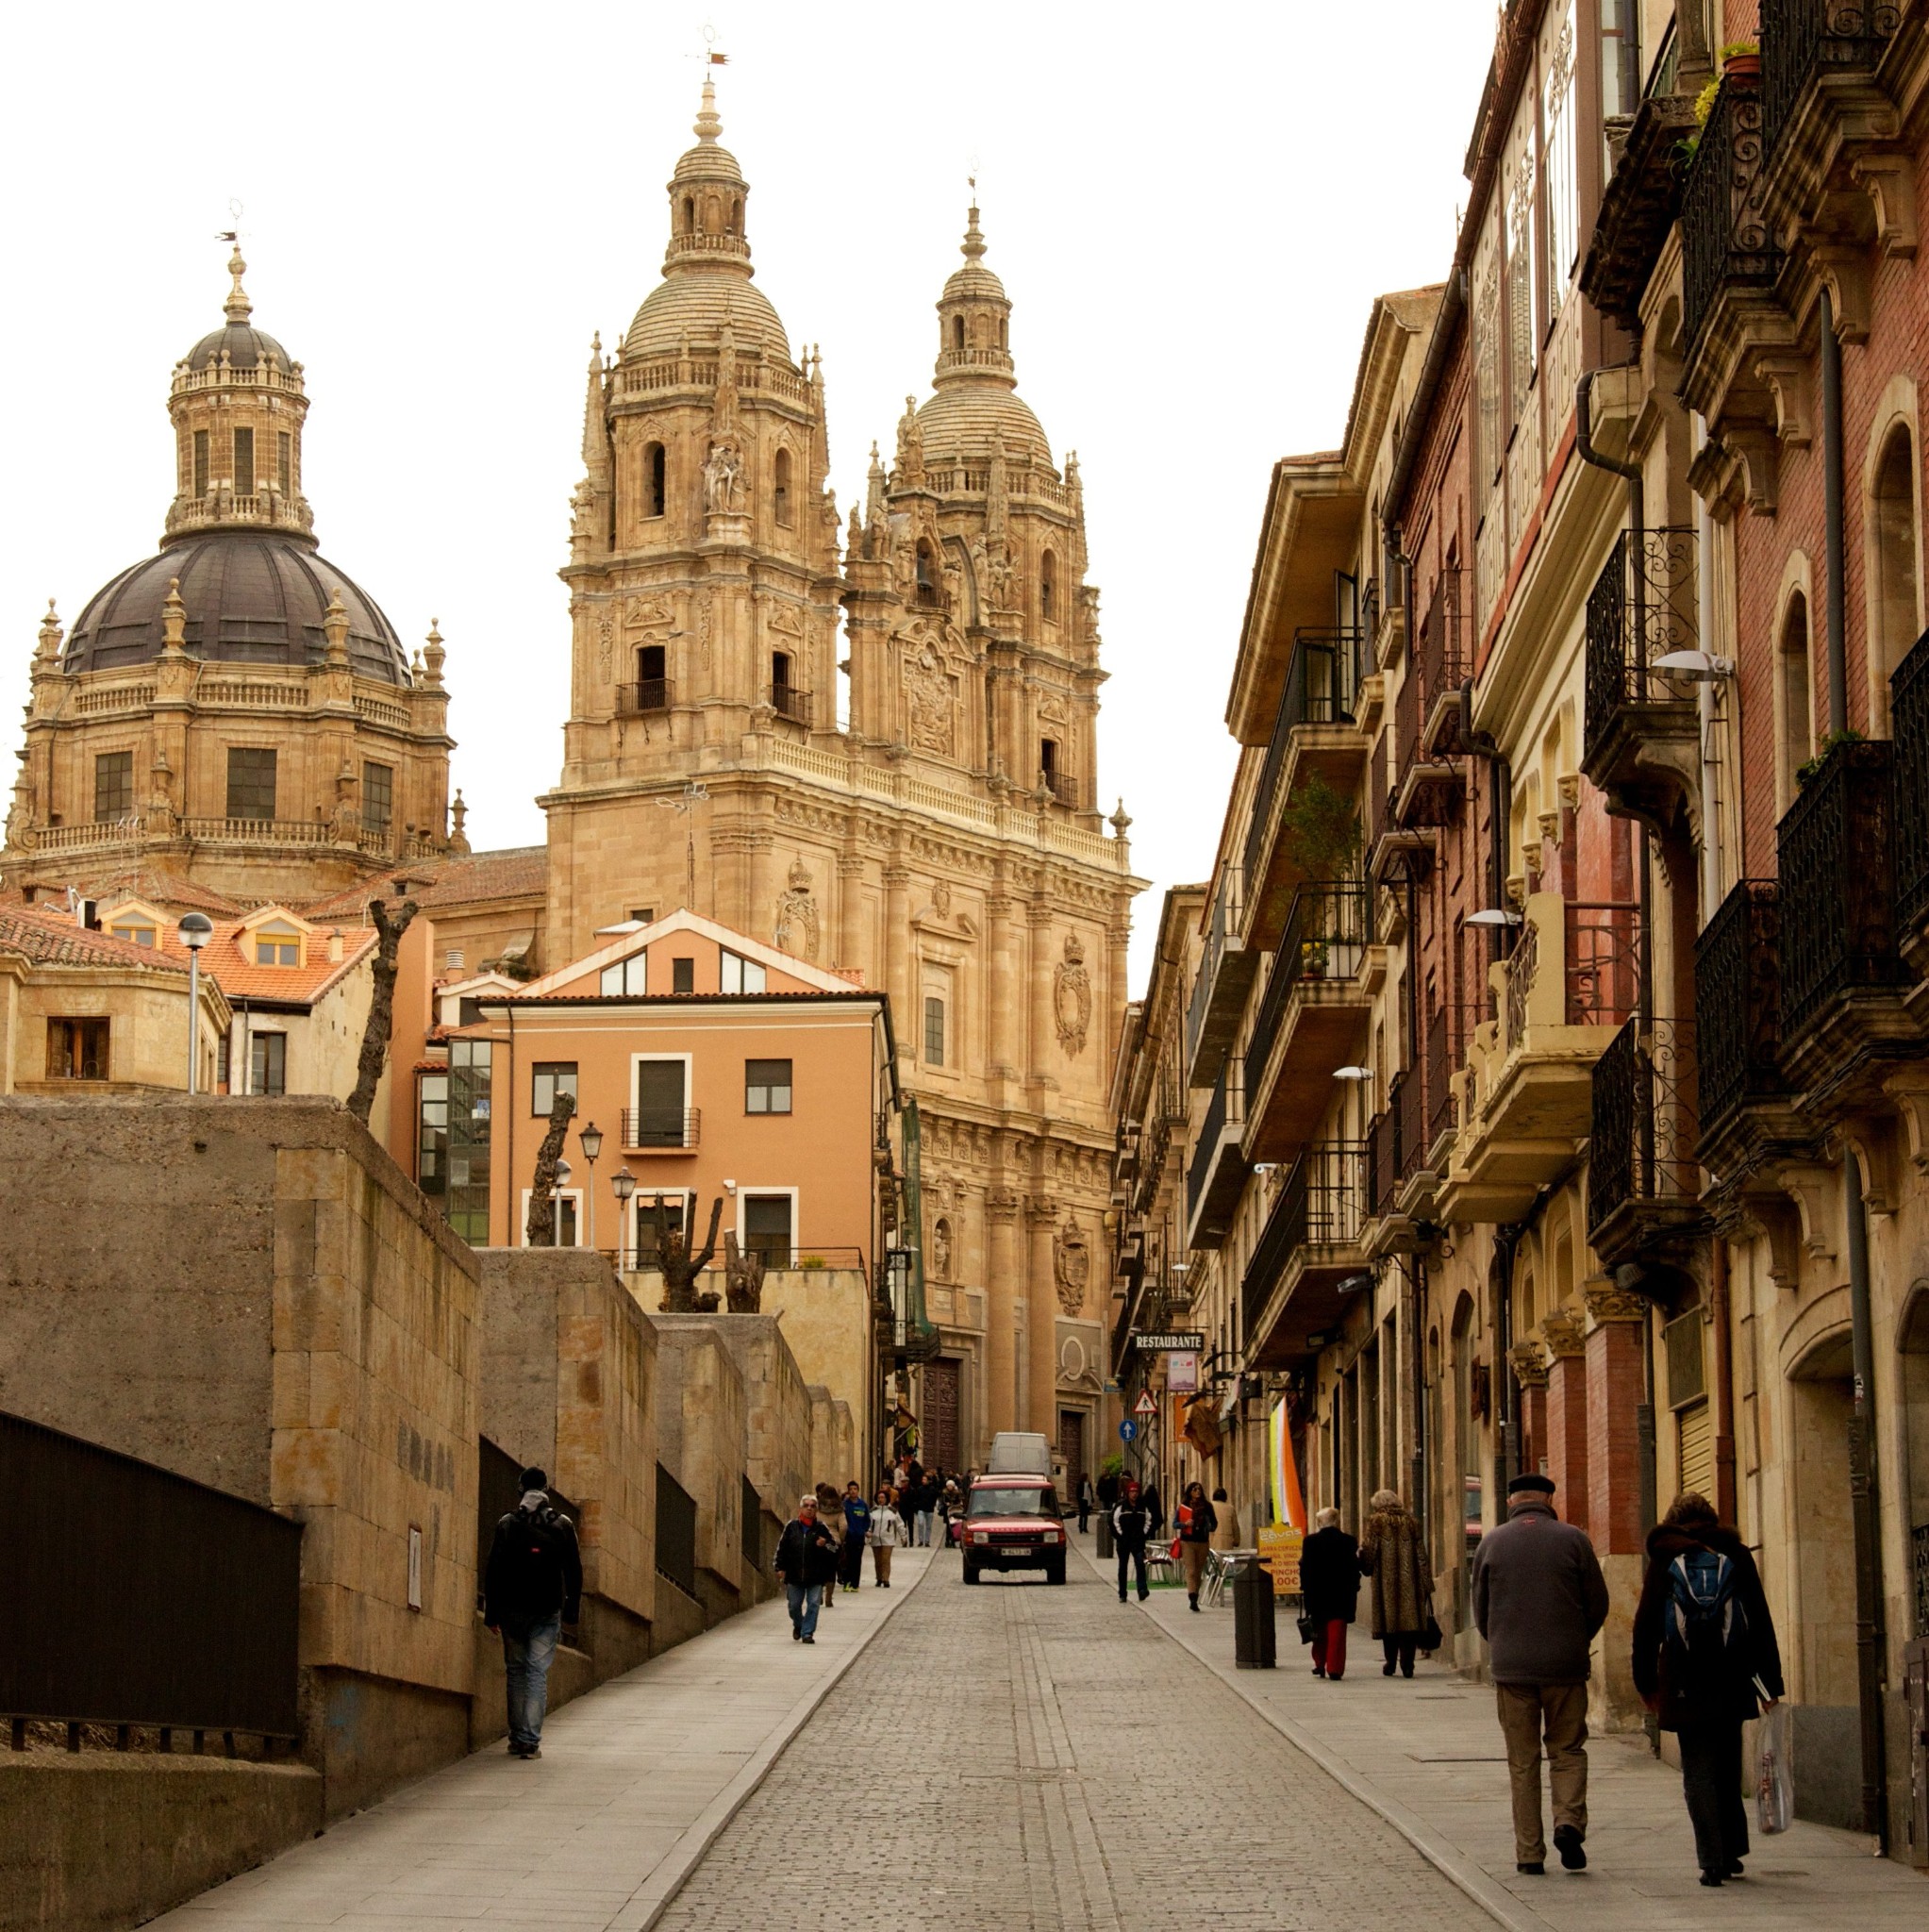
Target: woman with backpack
1705, 1662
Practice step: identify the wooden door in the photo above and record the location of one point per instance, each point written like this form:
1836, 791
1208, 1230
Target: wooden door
937, 1435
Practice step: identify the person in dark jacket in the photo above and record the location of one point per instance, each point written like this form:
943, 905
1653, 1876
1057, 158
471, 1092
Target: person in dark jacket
1329, 1590
1705, 1658
806, 1559
1198, 1519
1131, 1527
532, 1590
1087, 1497
857, 1533
1538, 1599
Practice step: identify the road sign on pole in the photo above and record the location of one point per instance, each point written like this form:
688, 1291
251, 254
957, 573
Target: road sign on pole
1147, 1402
1127, 1429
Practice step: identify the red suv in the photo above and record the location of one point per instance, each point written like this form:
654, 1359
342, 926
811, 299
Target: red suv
1013, 1522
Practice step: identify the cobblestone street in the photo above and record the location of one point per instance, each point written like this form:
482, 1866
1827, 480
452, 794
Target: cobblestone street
1016, 1756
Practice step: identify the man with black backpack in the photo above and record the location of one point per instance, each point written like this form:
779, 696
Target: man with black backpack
532, 1592
1705, 1662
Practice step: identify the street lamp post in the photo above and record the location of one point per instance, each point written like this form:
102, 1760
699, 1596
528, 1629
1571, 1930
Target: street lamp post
196, 930
592, 1139
623, 1184
563, 1171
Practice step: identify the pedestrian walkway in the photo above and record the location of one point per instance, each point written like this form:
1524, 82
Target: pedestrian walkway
1427, 1756
635, 1781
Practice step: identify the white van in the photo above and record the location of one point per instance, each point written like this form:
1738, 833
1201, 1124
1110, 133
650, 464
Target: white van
1019, 1452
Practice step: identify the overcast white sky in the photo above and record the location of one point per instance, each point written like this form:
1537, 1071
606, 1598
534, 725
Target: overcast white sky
1191, 211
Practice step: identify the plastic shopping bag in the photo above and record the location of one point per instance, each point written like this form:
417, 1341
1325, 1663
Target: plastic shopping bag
1775, 1787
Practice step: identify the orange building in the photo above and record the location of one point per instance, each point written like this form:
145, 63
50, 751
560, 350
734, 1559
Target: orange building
715, 1067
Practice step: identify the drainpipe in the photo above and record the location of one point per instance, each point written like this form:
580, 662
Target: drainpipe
1508, 1436
1705, 691
1725, 1505
1864, 1500
1831, 350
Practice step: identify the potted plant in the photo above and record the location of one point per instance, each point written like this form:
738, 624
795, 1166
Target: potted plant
1742, 60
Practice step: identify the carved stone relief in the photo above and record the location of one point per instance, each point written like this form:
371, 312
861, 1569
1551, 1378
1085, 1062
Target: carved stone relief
795, 929
1071, 1265
1072, 996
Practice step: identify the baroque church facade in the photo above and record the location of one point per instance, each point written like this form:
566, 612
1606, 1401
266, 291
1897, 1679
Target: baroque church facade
234, 716
943, 843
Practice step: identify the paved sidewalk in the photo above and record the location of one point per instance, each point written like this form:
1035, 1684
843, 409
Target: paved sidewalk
1427, 1756
635, 1782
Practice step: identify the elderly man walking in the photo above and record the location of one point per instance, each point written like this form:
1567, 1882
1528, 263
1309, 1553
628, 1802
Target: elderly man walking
1538, 1599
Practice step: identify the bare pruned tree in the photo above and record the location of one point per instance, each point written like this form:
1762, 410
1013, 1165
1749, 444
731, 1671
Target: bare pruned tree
742, 1279
389, 928
542, 1228
680, 1267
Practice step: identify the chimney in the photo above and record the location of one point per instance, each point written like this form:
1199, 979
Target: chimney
335, 946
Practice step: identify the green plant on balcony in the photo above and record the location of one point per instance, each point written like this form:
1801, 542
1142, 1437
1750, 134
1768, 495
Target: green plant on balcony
1321, 831
1805, 772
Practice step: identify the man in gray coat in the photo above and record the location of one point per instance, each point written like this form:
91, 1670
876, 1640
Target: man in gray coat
1540, 1598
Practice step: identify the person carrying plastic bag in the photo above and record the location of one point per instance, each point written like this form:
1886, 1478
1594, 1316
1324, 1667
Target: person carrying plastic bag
1705, 1662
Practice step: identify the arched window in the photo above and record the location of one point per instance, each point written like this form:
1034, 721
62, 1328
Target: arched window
689, 214
780, 487
1048, 587
958, 332
1004, 332
736, 214
653, 679
1795, 694
1893, 622
653, 477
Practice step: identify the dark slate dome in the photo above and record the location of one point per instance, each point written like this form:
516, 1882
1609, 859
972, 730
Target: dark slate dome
252, 597
247, 347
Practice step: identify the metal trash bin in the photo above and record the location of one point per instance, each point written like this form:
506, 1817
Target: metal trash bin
1105, 1528
1255, 1640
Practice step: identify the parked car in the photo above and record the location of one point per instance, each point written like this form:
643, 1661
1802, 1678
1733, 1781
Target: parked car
1013, 1522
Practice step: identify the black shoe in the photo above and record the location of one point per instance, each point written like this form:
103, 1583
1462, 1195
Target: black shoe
1406, 1669
1567, 1841
1734, 1871
1193, 1602
534, 1751
1317, 1672
1711, 1878
810, 1640
1122, 1596
1144, 1595
1386, 1669
1533, 1868
795, 1633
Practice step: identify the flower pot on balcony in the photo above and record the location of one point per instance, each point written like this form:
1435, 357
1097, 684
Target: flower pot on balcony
1743, 69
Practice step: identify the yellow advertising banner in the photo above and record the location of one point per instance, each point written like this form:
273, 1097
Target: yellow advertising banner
1279, 1552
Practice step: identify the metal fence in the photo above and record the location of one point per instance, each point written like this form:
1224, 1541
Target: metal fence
676, 1532
135, 1596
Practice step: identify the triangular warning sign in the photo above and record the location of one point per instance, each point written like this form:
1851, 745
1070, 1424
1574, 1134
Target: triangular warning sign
1147, 1402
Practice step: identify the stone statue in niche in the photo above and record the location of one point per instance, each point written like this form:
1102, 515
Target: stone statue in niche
723, 479
795, 929
1072, 996
1071, 1265
932, 703
941, 898
940, 1250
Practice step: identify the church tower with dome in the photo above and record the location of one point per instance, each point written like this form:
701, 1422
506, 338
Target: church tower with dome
233, 710
943, 843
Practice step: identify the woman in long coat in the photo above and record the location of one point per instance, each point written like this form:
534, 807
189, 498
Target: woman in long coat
1394, 1553
1329, 1590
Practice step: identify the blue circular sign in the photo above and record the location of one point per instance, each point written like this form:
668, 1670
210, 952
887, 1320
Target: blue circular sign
1127, 1429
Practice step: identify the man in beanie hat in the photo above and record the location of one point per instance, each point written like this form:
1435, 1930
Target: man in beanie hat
531, 1590
1538, 1599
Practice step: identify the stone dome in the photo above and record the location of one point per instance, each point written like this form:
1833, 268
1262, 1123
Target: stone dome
252, 597
247, 348
696, 302
962, 418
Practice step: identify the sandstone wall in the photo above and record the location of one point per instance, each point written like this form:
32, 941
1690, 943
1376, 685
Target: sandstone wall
702, 1420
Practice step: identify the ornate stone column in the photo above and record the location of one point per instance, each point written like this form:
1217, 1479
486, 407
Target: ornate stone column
1530, 1371
1567, 1415
1038, 920
1001, 1354
909, 1018
1003, 991
1041, 1323
850, 950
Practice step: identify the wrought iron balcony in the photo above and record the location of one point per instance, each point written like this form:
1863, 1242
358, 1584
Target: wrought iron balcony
1726, 239
1637, 207
1445, 666
1640, 742
1308, 1016
1382, 1161
1227, 970
1803, 39
787, 701
647, 694
1835, 856
1643, 1181
1909, 720
1407, 1096
1444, 1047
1737, 1005
662, 1130
1308, 1248
1217, 1174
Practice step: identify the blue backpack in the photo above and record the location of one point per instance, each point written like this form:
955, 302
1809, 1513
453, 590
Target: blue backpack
1705, 1621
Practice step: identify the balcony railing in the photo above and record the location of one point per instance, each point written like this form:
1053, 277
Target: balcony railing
1909, 720
647, 694
661, 1127
1443, 664
1382, 1161
1319, 1206
1642, 607
1321, 688
1217, 996
1326, 939
1835, 856
1603, 961
1222, 1109
1406, 1097
1801, 39
1641, 1149
1726, 235
787, 701
1442, 1056
1738, 1003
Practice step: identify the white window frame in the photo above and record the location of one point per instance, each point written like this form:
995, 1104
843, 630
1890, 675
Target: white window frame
574, 1194
634, 1211
727, 953
637, 1059
641, 959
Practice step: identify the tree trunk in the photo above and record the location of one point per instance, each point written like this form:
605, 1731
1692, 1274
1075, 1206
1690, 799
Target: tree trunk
744, 1278
542, 1228
374, 1035
680, 1267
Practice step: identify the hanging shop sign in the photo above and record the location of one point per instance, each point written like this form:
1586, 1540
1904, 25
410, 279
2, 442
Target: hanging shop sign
1182, 1341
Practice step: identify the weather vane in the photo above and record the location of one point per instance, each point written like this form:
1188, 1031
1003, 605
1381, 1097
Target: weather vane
686, 802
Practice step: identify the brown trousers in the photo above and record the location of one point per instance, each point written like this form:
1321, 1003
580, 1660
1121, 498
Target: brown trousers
1194, 1557
880, 1561
1561, 1712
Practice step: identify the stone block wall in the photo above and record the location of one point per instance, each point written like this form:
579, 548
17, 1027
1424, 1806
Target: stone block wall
833, 1440
778, 1434
700, 1424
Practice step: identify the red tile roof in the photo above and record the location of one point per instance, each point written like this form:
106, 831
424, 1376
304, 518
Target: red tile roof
51, 939
231, 961
520, 872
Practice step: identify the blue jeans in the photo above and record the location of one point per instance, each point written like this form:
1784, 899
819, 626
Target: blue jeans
803, 1599
925, 1529
525, 1662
